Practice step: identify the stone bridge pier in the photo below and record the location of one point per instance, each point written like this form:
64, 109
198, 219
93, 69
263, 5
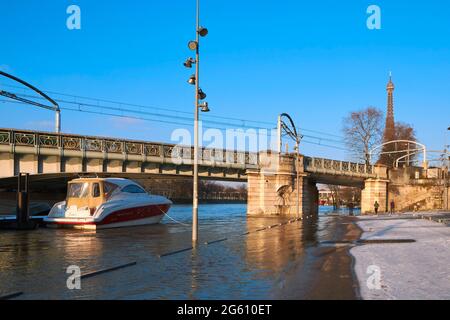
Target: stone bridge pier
272, 189
375, 190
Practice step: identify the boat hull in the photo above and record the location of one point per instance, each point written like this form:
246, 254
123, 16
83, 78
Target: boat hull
118, 218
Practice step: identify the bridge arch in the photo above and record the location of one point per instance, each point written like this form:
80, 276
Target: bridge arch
421, 149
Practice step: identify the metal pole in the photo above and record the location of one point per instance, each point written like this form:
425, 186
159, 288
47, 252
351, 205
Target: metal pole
298, 180
58, 121
26, 205
195, 186
425, 162
446, 182
19, 198
22, 210
445, 178
445, 173
279, 134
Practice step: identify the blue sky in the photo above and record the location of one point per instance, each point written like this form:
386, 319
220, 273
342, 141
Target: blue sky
315, 60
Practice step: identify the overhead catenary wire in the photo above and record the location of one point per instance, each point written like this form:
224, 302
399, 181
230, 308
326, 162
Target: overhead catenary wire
184, 119
318, 142
178, 117
140, 106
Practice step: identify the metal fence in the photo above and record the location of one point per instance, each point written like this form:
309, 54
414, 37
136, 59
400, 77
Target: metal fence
336, 166
121, 146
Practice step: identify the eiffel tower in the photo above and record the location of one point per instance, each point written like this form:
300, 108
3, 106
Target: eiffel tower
389, 129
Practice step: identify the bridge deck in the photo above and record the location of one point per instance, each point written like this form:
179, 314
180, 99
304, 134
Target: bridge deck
69, 154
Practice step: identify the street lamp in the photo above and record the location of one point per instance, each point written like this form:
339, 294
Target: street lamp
199, 95
297, 166
202, 31
445, 174
189, 62
192, 80
204, 107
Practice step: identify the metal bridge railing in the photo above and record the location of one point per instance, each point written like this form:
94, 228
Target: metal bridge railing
342, 167
121, 146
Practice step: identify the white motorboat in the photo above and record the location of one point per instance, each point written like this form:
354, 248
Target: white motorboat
97, 203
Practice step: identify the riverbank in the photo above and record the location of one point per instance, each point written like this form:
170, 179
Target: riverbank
413, 270
326, 270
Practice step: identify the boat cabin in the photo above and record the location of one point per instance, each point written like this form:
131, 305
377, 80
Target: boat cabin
89, 192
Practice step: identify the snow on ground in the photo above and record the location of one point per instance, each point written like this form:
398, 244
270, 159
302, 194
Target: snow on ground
419, 270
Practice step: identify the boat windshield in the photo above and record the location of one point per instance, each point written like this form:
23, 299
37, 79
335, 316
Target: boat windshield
78, 190
109, 189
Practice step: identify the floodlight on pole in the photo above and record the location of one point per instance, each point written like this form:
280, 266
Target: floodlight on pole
201, 94
204, 107
193, 45
202, 31
188, 63
192, 80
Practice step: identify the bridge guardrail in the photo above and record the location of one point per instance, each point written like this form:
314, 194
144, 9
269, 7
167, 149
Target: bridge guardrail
165, 152
345, 167
122, 146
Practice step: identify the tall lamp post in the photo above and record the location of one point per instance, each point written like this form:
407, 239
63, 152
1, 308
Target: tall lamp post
194, 45
446, 173
297, 168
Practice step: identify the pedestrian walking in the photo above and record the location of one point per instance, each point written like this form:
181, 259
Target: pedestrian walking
350, 208
376, 205
392, 207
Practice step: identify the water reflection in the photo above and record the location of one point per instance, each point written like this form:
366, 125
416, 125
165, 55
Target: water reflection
243, 267
272, 249
194, 273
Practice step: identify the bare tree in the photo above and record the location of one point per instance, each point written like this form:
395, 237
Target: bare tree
335, 195
393, 151
350, 195
363, 130
208, 187
404, 131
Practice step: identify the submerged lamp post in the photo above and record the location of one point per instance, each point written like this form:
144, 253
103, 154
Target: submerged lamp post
446, 175
199, 95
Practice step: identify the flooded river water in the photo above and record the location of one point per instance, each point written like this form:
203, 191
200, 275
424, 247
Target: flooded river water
274, 263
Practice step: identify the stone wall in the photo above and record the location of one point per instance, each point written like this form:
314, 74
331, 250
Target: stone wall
416, 197
414, 188
411, 189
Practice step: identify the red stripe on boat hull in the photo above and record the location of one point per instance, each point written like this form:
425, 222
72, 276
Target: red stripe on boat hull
136, 213
124, 215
